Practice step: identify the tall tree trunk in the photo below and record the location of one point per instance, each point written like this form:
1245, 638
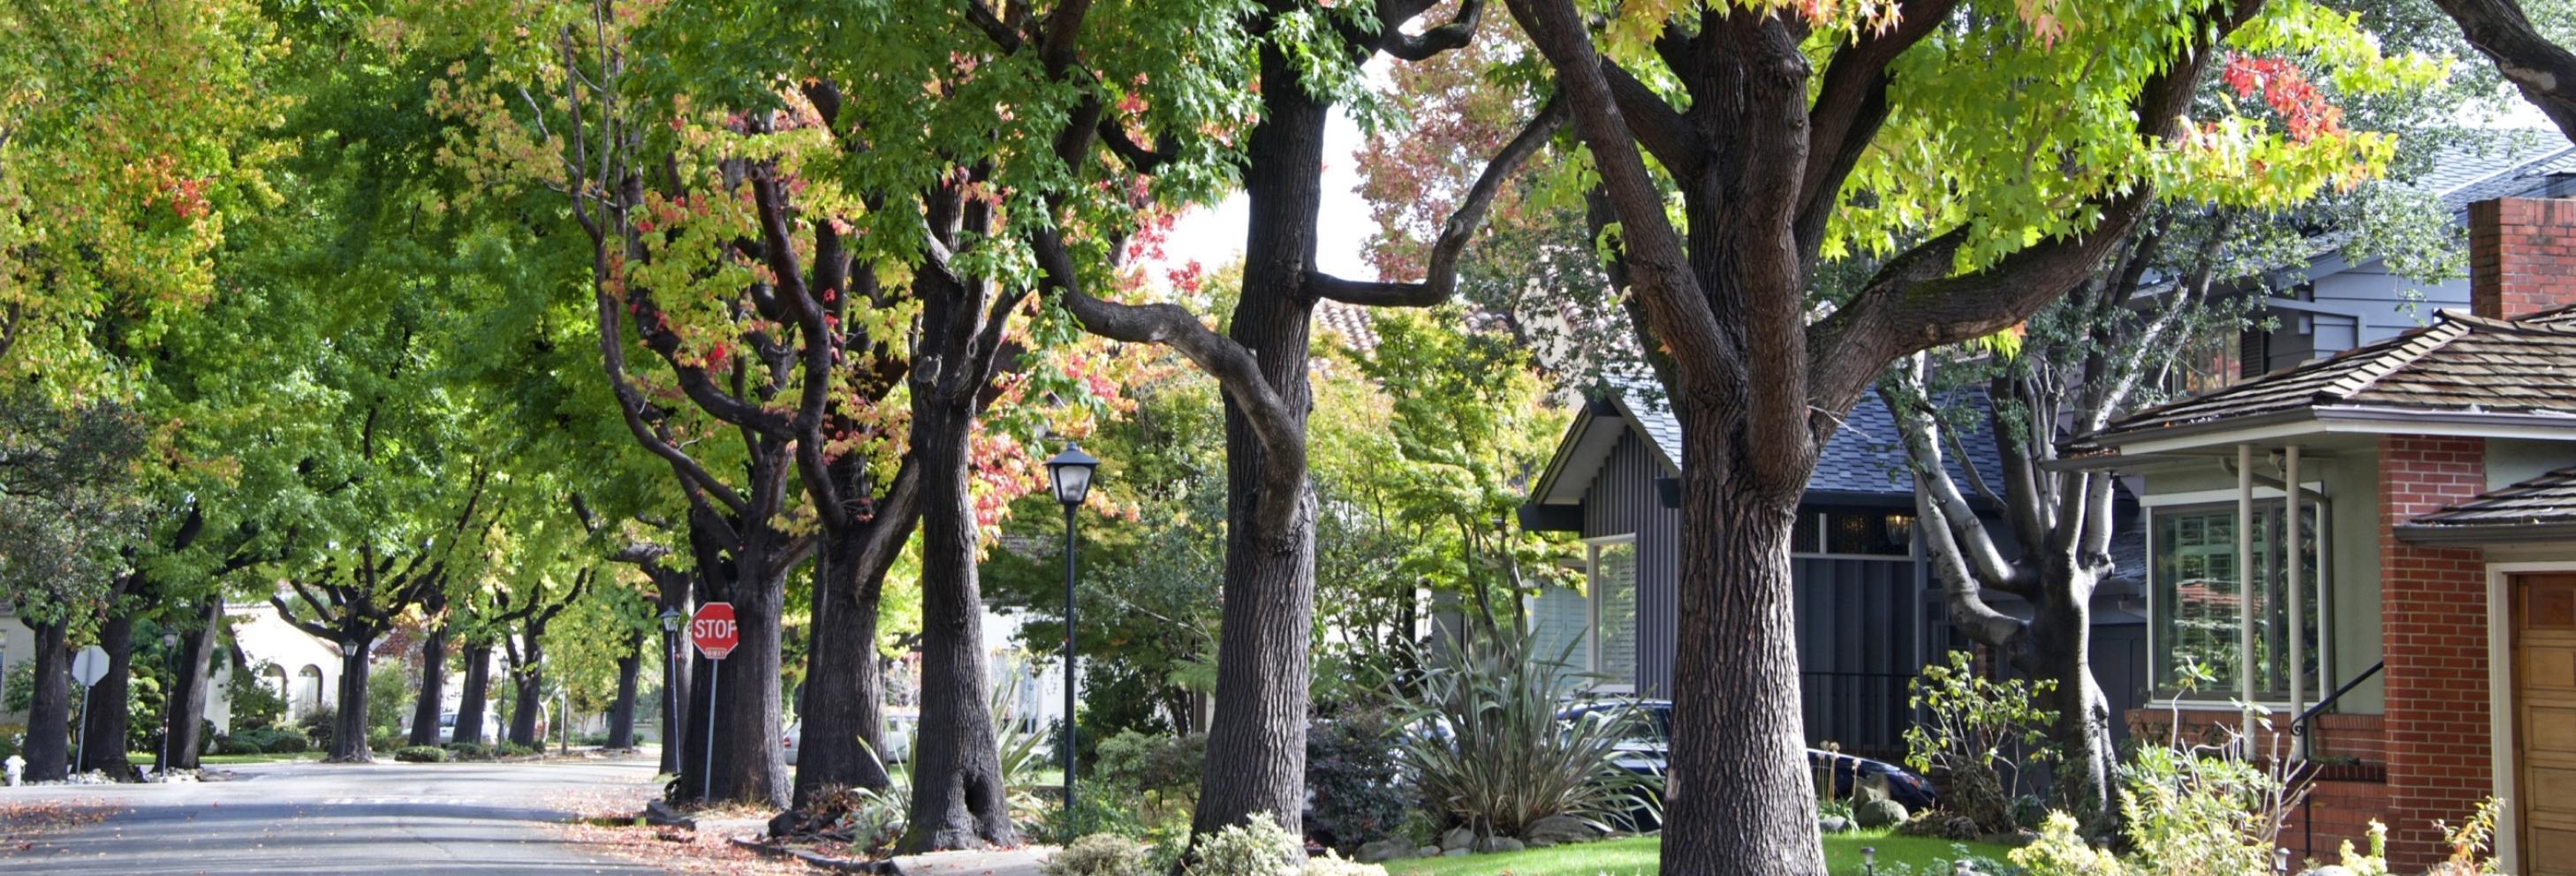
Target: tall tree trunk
621, 715
527, 683
958, 797
750, 766
186, 705
103, 732
477, 690
349, 727
433, 679
1256, 756
1735, 674
2058, 649
674, 596
843, 719
49, 714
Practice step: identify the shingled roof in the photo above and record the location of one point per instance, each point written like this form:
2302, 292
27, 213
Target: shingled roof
2511, 512
1866, 455
2459, 364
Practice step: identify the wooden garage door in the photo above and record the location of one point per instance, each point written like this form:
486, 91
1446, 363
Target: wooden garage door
2545, 689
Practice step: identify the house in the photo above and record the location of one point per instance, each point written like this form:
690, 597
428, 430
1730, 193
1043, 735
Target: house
2374, 547
303, 670
1870, 613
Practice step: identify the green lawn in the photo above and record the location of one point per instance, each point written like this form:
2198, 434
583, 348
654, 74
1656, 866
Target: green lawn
1636, 856
146, 758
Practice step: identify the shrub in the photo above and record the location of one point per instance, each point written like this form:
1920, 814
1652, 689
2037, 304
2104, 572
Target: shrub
384, 740
1981, 733
468, 751
389, 688
1257, 847
421, 754
1149, 762
283, 741
318, 724
12, 737
1101, 854
1356, 800
513, 749
1334, 865
1501, 759
237, 745
593, 740
254, 704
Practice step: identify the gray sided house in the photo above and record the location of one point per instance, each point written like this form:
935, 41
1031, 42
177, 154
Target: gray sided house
1869, 611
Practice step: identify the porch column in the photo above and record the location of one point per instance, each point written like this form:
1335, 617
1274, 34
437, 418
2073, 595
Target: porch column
2296, 503
2245, 588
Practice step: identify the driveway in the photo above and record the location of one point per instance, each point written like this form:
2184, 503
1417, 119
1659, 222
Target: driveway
320, 818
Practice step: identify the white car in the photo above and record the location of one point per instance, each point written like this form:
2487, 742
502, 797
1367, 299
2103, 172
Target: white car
898, 737
447, 728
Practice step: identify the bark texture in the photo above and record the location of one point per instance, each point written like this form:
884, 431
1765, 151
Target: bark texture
186, 707
49, 712
433, 677
349, 724
2543, 71
103, 731
474, 693
958, 797
621, 714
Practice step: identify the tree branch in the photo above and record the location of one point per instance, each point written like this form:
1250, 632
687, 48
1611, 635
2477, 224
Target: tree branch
2544, 71
1440, 277
1420, 47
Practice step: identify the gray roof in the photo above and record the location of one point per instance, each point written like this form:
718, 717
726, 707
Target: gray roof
2547, 499
1866, 455
2460, 363
2511, 163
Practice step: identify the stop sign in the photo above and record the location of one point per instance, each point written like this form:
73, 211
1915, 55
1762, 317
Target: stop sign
712, 629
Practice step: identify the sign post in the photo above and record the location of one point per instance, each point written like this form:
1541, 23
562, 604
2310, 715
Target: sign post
88, 667
713, 630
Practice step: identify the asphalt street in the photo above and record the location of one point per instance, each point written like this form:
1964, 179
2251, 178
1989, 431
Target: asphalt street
317, 818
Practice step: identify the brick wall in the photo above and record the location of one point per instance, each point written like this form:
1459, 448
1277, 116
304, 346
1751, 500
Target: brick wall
2522, 256
2433, 623
2335, 811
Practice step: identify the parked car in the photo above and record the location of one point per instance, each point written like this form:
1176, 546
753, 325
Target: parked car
1647, 752
898, 737
491, 728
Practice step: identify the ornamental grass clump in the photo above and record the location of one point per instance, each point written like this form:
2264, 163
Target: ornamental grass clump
1493, 754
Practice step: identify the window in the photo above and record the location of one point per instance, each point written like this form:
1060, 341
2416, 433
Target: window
1596, 630
2201, 601
1853, 531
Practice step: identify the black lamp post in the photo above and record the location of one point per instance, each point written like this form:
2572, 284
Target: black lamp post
670, 688
1070, 472
170, 667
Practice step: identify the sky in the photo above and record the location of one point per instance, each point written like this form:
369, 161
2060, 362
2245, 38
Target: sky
1214, 236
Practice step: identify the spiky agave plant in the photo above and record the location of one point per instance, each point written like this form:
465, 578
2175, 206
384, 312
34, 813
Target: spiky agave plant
1493, 753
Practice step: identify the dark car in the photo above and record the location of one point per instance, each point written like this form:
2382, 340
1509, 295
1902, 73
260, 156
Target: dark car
1646, 753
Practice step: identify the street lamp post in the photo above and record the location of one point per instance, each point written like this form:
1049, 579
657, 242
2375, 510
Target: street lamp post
670, 687
170, 667
1070, 472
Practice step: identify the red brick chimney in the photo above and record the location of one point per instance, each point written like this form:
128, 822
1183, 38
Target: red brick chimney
2522, 256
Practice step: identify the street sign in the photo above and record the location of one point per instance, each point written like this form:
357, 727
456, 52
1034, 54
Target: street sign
712, 629
89, 665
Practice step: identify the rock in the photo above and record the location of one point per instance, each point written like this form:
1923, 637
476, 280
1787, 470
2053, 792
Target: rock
1559, 829
1453, 853
1458, 838
1880, 813
1383, 851
1834, 824
1493, 844
1869, 789
786, 824
1427, 852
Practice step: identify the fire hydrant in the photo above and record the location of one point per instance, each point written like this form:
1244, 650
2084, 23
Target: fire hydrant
17, 771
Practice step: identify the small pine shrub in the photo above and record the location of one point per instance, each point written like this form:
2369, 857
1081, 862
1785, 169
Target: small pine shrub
468, 751
421, 754
1101, 854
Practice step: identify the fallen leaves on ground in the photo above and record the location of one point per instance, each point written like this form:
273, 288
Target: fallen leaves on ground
672, 849
23, 821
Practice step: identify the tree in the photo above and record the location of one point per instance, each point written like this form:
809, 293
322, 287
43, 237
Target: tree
1788, 136
67, 507
1306, 61
2542, 69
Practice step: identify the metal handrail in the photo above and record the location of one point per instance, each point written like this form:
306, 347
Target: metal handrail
2299, 725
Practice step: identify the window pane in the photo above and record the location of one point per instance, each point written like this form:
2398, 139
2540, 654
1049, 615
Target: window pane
1869, 532
1614, 589
2200, 598
1560, 621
